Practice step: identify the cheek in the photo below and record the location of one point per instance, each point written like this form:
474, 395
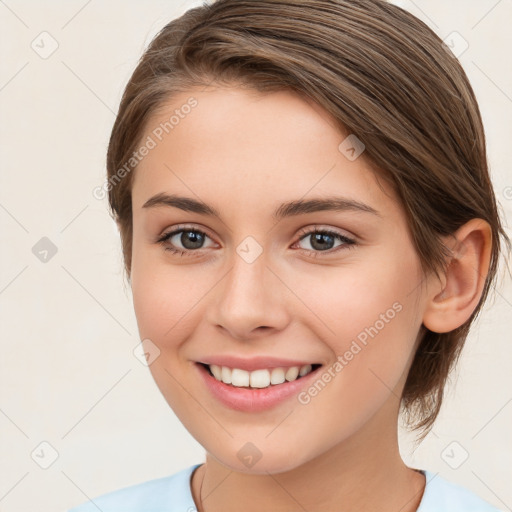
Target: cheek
164, 307
165, 296
165, 313
158, 293
380, 292
371, 355
370, 315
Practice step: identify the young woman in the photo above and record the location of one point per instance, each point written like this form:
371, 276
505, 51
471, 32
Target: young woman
309, 231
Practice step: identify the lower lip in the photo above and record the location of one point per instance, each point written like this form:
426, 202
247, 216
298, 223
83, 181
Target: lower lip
257, 399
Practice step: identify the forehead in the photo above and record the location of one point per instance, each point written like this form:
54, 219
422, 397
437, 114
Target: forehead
255, 149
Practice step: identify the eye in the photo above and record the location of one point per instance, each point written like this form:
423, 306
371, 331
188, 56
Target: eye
322, 240
191, 240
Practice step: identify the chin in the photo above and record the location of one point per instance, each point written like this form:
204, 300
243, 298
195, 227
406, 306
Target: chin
273, 464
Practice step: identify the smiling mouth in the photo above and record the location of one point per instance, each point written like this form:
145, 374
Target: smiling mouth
258, 379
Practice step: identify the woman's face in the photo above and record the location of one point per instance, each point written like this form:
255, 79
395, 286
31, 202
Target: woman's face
255, 281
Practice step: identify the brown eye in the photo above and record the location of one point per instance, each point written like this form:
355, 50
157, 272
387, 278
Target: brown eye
323, 240
181, 241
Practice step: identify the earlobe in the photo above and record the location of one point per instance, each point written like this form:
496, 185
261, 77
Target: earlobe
453, 299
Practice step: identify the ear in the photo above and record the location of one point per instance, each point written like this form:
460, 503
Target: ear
453, 299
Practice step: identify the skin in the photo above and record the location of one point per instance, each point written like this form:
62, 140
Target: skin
245, 153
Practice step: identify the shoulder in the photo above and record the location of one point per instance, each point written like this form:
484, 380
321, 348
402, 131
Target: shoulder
167, 494
441, 495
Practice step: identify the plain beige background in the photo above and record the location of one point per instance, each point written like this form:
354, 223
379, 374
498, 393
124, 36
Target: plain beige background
74, 398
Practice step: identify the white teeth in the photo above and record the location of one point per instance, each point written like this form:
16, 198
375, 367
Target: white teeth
277, 376
292, 373
225, 375
258, 378
217, 371
305, 369
239, 378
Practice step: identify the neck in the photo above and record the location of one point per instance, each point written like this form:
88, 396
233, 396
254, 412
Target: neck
364, 472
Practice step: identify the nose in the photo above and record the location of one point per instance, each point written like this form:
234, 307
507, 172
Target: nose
250, 300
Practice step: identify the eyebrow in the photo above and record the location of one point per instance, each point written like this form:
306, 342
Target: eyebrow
288, 209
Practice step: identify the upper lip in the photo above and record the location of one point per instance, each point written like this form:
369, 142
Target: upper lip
253, 363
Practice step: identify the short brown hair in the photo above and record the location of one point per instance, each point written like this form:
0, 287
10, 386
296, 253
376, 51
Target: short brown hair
380, 72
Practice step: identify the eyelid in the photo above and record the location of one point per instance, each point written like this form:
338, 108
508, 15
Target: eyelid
308, 230
183, 227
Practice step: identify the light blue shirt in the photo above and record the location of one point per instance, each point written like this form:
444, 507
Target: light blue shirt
173, 494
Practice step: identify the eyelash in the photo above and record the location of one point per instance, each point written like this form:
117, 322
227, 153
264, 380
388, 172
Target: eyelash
348, 243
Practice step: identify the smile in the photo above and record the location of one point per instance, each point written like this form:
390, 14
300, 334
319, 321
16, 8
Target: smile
261, 378
256, 390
